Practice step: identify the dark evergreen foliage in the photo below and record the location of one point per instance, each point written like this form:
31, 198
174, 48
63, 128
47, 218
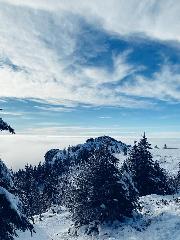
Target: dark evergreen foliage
37, 186
42, 181
87, 180
11, 219
50, 154
148, 176
30, 188
177, 181
97, 191
5, 127
11, 216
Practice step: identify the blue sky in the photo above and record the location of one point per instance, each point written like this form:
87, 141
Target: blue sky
90, 67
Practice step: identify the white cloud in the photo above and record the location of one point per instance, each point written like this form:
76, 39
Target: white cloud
54, 109
12, 113
164, 85
105, 117
98, 75
159, 19
45, 75
40, 36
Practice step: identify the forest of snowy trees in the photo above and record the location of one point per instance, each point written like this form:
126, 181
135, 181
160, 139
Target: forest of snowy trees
87, 179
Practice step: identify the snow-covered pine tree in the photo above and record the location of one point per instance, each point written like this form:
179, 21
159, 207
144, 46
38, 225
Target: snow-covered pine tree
148, 176
5, 127
11, 216
97, 191
177, 180
30, 189
37, 186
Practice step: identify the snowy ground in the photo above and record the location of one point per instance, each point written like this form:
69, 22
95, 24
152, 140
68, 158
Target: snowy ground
159, 220
168, 159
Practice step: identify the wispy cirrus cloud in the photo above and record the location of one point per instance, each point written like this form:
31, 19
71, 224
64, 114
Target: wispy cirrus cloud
164, 85
54, 109
105, 117
77, 131
159, 19
69, 62
12, 113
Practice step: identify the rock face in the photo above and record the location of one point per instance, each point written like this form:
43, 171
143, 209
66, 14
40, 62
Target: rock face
76, 153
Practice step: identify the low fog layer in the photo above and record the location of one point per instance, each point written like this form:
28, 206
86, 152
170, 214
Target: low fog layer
18, 150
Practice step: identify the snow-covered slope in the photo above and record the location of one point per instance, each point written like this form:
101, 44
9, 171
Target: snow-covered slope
160, 220
169, 159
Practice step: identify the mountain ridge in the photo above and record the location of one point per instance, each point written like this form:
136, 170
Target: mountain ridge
114, 146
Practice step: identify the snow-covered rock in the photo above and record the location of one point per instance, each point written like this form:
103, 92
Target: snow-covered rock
114, 146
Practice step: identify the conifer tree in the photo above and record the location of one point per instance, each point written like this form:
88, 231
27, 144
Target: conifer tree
11, 216
148, 176
5, 127
97, 191
11, 209
36, 187
177, 180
